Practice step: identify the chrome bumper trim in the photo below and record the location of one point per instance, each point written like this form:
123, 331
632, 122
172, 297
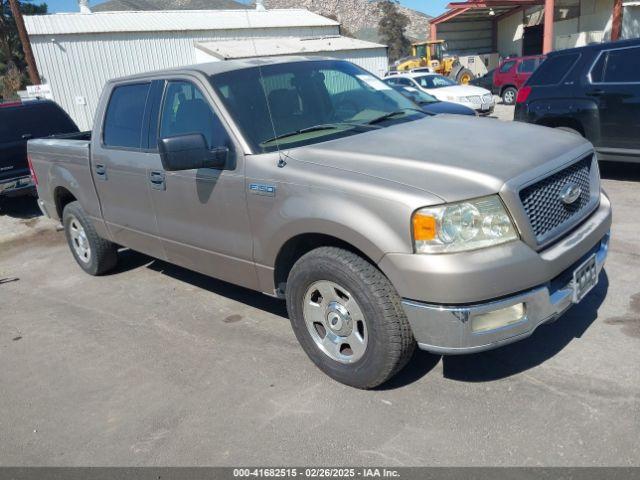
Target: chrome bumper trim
447, 330
16, 184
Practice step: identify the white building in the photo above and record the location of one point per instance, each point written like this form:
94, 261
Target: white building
76, 53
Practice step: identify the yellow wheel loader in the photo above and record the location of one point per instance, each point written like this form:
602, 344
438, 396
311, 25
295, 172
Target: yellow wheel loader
432, 54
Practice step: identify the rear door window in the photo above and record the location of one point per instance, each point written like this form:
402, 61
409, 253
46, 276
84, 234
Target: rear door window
124, 118
553, 70
622, 66
528, 65
506, 66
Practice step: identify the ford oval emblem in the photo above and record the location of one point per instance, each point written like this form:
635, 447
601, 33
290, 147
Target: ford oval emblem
570, 193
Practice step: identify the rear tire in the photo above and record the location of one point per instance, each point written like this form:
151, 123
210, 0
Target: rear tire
94, 254
348, 318
509, 96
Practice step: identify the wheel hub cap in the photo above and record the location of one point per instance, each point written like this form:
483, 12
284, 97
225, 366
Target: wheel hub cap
335, 321
79, 240
339, 320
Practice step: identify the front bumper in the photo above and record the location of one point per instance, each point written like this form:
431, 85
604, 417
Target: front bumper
484, 110
448, 330
17, 186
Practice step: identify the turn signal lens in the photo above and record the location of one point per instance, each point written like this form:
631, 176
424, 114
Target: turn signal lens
424, 227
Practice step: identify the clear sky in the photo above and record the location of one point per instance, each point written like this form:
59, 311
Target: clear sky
432, 7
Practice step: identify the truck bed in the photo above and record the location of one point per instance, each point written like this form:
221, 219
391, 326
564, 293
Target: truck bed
61, 157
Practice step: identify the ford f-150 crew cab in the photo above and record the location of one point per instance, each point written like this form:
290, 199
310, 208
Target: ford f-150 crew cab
312, 180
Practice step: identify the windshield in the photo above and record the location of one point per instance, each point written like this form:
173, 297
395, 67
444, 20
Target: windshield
434, 81
301, 103
419, 96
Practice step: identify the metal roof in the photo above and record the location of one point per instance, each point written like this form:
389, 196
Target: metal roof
472, 10
274, 46
171, 20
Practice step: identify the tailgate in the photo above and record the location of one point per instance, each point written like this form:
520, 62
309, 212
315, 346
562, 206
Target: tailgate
13, 160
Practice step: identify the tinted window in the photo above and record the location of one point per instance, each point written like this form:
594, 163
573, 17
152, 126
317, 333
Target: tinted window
622, 66
47, 119
282, 100
506, 66
528, 65
553, 70
598, 69
37, 120
7, 134
125, 112
185, 111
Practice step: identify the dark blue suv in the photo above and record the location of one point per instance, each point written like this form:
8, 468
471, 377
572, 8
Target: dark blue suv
593, 91
19, 122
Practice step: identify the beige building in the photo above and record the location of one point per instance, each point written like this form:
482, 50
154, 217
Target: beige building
517, 27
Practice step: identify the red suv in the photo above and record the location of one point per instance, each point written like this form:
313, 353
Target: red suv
512, 73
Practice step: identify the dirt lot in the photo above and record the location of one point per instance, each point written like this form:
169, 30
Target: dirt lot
155, 365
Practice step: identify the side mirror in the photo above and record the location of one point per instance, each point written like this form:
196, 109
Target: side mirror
188, 152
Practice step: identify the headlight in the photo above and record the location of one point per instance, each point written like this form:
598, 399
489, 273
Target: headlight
469, 225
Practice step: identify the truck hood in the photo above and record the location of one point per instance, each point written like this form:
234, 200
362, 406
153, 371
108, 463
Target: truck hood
454, 157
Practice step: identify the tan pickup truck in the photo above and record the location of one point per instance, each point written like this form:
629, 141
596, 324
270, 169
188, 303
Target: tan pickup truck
312, 180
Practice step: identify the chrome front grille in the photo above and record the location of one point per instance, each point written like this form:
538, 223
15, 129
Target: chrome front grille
487, 98
543, 204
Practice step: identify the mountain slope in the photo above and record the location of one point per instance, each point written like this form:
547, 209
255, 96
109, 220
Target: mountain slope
360, 17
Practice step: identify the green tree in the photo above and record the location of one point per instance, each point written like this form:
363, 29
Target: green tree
13, 68
391, 28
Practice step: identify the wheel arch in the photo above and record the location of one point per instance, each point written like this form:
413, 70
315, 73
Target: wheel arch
555, 122
302, 243
62, 196
505, 86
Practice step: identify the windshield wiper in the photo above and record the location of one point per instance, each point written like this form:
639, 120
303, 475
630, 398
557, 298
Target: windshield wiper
317, 128
389, 115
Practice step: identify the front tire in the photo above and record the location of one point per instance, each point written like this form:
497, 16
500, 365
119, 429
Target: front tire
464, 76
509, 96
348, 318
94, 254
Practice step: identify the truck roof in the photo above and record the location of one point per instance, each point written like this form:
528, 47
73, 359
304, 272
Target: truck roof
213, 68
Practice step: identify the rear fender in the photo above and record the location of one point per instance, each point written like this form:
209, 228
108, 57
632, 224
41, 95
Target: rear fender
580, 114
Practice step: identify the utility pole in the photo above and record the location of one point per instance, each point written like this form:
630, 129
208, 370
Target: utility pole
616, 24
34, 77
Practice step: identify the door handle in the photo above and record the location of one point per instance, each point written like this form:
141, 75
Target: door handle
27, 136
157, 180
101, 171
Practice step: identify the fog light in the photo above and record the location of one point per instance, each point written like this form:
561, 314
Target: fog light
498, 318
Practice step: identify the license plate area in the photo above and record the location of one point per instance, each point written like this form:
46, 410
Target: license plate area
585, 277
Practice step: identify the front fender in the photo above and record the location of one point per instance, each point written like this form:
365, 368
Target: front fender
373, 226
